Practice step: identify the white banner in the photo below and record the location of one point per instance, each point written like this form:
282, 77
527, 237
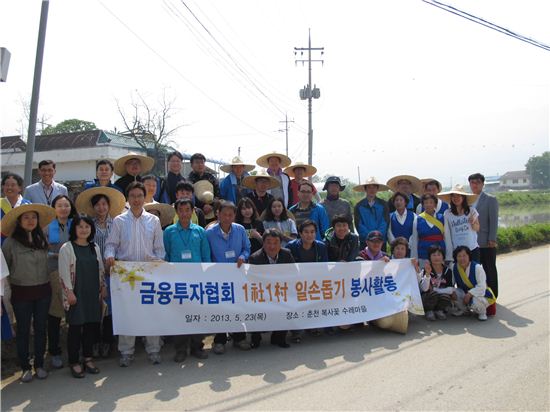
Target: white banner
151, 299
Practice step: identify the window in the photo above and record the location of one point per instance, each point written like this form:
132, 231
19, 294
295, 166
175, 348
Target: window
515, 181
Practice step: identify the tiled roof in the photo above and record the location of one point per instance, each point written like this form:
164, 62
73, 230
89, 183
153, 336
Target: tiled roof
519, 174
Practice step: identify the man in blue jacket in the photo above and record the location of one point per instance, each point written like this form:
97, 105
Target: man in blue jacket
306, 209
371, 213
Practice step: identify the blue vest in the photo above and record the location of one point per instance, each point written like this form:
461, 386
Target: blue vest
402, 230
426, 235
472, 277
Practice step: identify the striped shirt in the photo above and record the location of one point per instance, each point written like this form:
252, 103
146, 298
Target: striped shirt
101, 234
135, 239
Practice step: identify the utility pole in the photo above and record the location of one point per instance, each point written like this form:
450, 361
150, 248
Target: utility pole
36, 91
359, 175
286, 122
307, 93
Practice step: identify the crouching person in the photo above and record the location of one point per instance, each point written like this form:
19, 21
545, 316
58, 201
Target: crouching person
185, 241
472, 292
271, 253
436, 285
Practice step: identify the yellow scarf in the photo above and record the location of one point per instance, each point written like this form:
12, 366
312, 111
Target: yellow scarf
467, 282
433, 220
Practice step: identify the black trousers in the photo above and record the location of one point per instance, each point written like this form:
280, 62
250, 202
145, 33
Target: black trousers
107, 330
81, 335
182, 342
489, 263
54, 331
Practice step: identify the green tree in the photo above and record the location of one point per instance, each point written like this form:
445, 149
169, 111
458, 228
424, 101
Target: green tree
70, 126
538, 167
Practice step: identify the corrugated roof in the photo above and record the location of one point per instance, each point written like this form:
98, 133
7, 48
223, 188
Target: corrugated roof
12, 143
66, 140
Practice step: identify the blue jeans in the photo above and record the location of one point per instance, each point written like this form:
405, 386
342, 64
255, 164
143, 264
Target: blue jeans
37, 311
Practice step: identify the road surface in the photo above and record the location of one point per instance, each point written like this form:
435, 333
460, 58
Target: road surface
461, 363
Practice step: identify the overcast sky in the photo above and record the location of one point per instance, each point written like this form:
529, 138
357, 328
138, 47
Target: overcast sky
405, 87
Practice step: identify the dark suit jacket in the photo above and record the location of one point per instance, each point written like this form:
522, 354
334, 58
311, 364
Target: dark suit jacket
487, 207
260, 257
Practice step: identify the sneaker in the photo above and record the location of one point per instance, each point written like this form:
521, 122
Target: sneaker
95, 350
41, 373
57, 362
219, 348
430, 315
199, 354
242, 345
482, 316
439, 314
180, 356
125, 360
105, 350
154, 358
457, 312
26, 376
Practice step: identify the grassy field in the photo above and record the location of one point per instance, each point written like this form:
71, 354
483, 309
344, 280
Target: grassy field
523, 237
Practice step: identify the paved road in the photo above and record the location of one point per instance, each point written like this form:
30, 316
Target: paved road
461, 363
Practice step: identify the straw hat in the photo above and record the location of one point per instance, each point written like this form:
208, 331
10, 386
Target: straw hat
262, 161
237, 161
250, 181
371, 181
428, 180
459, 190
117, 201
310, 170
147, 163
416, 185
204, 191
398, 322
45, 215
167, 212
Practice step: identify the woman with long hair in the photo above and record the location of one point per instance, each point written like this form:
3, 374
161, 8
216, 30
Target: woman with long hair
277, 216
247, 216
26, 254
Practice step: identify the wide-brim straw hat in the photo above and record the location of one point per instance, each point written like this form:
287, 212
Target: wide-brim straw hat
117, 201
237, 161
167, 212
429, 180
458, 190
262, 161
203, 189
147, 163
45, 216
250, 181
398, 322
371, 181
416, 184
310, 170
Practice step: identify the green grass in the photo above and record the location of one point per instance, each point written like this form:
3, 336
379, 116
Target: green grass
523, 237
523, 198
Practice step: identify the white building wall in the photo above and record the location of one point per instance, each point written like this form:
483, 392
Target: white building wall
71, 164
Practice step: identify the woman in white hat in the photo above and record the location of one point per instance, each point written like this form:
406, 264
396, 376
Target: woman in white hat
460, 221
274, 162
130, 167
231, 187
26, 254
102, 204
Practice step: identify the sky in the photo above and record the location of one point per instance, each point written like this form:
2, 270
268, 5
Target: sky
406, 88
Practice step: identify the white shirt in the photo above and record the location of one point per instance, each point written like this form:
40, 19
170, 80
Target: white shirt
135, 239
459, 232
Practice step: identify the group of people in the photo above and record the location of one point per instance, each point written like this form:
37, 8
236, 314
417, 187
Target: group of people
59, 253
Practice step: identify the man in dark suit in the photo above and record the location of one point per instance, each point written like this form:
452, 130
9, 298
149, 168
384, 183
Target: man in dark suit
271, 253
487, 207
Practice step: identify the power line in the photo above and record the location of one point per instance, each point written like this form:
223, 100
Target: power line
486, 23
175, 69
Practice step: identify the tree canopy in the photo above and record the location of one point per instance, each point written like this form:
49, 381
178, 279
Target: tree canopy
70, 126
538, 168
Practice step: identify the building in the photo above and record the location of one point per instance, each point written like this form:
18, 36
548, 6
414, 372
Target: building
515, 180
76, 154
